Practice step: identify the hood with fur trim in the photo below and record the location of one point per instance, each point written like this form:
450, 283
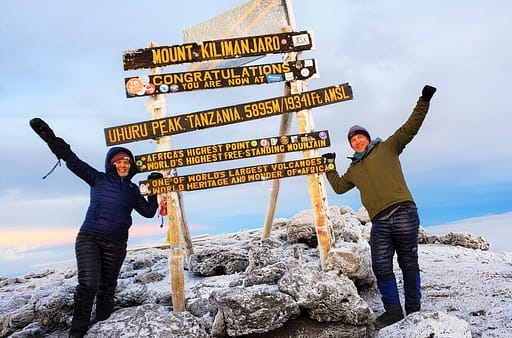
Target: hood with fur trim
111, 169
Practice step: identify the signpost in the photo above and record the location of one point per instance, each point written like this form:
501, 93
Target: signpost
177, 124
259, 17
217, 49
178, 235
166, 160
218, 78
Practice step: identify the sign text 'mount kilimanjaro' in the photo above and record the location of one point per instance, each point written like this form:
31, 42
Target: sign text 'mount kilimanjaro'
178, 124
221, 178
217, 49
232, 151
219, 78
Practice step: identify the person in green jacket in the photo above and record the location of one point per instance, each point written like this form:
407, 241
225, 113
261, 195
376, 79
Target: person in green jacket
377, 173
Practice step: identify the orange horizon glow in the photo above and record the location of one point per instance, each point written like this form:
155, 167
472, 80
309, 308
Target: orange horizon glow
27, 236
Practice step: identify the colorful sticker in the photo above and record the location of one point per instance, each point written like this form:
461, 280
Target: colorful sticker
301, 40
134, 86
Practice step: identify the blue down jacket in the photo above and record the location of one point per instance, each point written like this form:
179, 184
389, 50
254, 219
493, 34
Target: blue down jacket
112, 198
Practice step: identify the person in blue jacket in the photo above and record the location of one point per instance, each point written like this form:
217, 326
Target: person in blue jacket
100, 245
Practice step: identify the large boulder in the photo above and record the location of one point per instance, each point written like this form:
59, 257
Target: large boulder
148, 321
245, 310
352, 260
427, 324
213, 261
325, 296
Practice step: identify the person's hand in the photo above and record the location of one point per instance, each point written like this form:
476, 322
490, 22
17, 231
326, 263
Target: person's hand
427, 93
155, 175
60, 148
329, 157
42, 129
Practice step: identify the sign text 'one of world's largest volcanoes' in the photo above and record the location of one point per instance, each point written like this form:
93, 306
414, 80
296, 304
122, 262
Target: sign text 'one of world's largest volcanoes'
178, 124
219, 78
222, 178
217, 49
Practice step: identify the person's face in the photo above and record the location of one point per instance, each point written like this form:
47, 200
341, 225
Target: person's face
359, 143
123, 167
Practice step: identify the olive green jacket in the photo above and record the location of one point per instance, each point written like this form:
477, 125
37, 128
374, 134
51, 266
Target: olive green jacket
378, 176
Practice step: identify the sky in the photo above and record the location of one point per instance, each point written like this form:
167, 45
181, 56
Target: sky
62, 61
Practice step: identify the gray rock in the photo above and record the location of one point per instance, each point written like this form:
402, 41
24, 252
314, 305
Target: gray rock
301, 229
363, 216
259, 287
148, 321
427, 324
213, 261
264, 267
352, 260
33, 330
466, 240
325, 296
255, 309
31, 300
463, 239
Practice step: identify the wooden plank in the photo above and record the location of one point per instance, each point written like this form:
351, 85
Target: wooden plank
168, 83
177, 124
177, 158
230, 48
222, 178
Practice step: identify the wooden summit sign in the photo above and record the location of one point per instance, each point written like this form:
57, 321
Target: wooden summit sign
227, 115
218, 78
217, 49
231, 151
221, 178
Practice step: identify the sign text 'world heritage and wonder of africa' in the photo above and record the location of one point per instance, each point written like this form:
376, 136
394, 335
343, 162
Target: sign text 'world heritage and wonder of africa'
231, 151
173, 125
219, 78
217, 50
221, 178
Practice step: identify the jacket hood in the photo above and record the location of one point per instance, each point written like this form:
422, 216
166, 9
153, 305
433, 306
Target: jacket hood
111, 169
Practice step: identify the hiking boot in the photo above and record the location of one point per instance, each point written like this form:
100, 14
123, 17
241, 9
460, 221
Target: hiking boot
412, 308
392, 315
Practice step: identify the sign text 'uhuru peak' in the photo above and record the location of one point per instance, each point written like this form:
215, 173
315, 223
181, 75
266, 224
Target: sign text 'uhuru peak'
178, 124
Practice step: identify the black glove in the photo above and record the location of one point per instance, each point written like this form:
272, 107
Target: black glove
57, 145
155, 175
42, 129
60, 148
153, 199
427, 93
329, 157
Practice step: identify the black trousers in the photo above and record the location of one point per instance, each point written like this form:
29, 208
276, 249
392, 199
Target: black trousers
397, 232
99, 262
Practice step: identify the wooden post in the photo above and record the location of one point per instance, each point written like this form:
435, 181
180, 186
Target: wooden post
157, 107
176, 267
283, 130
316, 183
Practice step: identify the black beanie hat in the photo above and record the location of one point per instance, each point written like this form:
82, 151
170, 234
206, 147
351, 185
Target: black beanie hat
355, 129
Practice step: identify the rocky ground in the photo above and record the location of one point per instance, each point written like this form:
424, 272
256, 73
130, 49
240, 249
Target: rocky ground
237, 285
